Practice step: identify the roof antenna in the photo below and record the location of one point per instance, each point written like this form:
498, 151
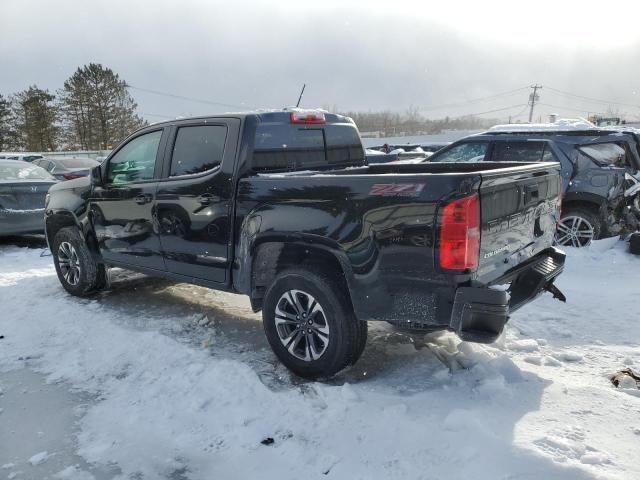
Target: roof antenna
301, 93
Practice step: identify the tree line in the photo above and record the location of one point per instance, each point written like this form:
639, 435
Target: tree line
411, 122
92, 111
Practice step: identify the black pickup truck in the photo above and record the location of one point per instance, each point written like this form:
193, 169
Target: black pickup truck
282, 207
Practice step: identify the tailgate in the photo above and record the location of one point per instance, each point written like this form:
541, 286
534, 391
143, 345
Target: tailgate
518, 210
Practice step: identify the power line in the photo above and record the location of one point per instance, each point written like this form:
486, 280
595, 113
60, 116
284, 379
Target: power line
474, 100
495, 110
158, 115
516, 115
591, 99
581, 110
190, 99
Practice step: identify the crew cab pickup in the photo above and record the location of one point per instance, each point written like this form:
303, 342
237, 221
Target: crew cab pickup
283, 207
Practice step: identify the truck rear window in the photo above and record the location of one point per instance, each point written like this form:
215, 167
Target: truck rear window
293, 147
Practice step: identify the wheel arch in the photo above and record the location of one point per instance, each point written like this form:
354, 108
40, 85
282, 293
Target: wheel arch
59, 219
272, 257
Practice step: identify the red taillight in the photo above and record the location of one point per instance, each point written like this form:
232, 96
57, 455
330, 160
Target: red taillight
312, 117
460, 234
71, 176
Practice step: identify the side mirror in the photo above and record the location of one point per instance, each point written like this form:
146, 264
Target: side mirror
96, 175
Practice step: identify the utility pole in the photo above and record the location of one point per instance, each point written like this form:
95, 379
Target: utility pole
533, 98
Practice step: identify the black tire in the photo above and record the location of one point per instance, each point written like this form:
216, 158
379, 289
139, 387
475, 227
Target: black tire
586, 216
346, 335
91, 275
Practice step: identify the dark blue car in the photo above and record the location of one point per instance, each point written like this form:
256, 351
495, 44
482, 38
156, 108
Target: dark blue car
593, 166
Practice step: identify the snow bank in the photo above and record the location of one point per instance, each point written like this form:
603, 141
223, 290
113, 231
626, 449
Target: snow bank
175, 393
562, 125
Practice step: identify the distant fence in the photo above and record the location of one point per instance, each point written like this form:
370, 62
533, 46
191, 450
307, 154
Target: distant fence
68, 154
77, 154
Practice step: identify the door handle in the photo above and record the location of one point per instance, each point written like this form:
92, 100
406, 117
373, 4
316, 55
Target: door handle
142, 199
208, 199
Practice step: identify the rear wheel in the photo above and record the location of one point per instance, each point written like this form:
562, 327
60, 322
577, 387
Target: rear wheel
310, 324
77, 270
578, 227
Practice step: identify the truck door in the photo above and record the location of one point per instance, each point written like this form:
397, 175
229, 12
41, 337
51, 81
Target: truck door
195, 198
122, 209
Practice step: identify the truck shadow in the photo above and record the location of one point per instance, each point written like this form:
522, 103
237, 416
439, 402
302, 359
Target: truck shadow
28, 241
225, 325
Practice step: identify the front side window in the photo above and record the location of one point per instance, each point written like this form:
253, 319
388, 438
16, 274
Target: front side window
136, 161
464, 152
605, 153
518, 151
198, 149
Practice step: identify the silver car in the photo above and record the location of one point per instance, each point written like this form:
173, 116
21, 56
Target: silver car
67, 168
23, 189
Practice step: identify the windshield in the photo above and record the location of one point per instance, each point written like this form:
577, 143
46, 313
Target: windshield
465, 152
17, 172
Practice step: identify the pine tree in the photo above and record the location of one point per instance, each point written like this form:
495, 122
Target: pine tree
35, 120
6, 132
98, 111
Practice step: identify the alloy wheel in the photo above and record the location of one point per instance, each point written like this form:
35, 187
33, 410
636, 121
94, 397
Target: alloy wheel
302, 325
574, 231
69, 263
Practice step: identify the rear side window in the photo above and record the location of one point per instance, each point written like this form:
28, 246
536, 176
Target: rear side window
292, 147
518, 151
605, 153
464, 152
198, 149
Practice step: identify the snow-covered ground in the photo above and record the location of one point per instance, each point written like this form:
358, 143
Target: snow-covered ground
168, 380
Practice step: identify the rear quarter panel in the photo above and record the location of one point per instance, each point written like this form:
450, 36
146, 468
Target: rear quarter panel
380, 227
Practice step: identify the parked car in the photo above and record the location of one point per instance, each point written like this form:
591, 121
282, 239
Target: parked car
67, 168
282, 207
26, 157
23, 188
593, 162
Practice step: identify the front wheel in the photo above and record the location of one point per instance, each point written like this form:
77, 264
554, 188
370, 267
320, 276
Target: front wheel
310, 324
578, 227
77, 270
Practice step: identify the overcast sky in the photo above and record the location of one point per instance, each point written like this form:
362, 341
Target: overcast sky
365, 55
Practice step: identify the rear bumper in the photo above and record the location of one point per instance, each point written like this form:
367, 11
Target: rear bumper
16, 222
479, 314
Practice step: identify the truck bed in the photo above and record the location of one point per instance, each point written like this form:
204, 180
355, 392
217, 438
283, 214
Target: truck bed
385, 220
